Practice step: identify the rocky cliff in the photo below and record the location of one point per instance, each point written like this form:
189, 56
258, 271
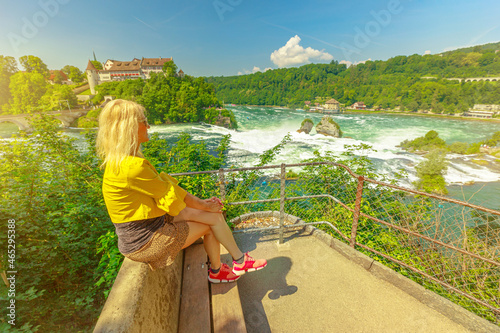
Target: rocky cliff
329, 127
306, 126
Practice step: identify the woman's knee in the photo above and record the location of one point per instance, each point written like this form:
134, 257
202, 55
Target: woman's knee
201, 216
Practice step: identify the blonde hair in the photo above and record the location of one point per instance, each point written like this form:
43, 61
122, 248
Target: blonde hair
117, 137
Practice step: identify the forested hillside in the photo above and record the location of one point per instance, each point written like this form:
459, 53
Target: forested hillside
397, 82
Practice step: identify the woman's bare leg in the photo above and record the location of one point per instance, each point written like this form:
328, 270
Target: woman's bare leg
211, 244
217, 224
212, 247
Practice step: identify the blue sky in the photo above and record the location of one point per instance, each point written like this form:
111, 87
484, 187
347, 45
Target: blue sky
230, 37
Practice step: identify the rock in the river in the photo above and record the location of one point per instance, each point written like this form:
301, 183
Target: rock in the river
328, 127
306, 126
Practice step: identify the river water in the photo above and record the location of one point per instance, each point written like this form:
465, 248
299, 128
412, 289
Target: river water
261, 128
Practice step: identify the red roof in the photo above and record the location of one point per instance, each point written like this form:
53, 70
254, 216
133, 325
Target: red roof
133, 65
53, 75
90, 66
154, 61
332, 101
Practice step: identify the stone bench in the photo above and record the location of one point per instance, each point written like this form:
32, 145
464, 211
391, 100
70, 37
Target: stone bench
178, 298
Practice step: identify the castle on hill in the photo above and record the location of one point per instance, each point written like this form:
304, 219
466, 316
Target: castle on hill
115, 70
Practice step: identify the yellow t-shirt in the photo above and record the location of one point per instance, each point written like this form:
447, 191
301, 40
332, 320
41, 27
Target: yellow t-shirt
139, 192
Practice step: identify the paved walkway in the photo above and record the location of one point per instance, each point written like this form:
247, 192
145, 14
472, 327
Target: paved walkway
309, 287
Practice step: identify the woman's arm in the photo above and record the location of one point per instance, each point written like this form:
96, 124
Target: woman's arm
210, 205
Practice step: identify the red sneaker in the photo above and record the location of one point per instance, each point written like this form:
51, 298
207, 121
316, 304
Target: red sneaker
249, 265
223, 276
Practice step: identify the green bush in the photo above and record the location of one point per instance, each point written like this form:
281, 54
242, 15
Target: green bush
430, 141
53, 191
307, 120
430, 172
458, 147
90, 120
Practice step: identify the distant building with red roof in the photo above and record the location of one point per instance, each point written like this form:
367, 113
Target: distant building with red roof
359, 106
332, 104
115, 70
63, 77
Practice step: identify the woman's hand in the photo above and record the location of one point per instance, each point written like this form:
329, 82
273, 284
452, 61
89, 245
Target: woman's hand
214, 205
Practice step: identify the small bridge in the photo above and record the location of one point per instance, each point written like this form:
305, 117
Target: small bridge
66, 117
476, 79
467, 79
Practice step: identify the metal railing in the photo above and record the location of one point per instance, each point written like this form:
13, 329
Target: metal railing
449, 246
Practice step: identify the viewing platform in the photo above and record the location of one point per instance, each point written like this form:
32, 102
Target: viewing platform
312, 283
350, 262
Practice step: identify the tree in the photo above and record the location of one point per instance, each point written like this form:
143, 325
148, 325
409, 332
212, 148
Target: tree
73, 73
413, 106
8, 67
58, 77
58, 96
34, 64
170, 68
430, 172
26, 90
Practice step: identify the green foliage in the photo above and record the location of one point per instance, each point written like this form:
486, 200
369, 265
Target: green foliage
174, 99
96, 64
187, 156
33, 64
430, 172
396, 82
458, 147
169, 99
58, 97
170, 68
73, 73
58, 77
430, 141
494, 140
53, 191
90, 120
211, 116
307, 120
26, 90
8, 67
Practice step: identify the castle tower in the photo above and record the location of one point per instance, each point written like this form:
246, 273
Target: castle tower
92, 77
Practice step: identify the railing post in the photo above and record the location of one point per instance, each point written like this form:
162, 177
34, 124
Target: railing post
222, 186
357, 207
282, 201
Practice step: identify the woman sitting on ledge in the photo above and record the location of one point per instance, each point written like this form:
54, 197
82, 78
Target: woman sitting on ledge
153, 216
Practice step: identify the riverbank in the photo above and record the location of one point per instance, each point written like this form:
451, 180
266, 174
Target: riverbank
422, 114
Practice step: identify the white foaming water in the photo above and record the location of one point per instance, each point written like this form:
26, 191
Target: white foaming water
264, 129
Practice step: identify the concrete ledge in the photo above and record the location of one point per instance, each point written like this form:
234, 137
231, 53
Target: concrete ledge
143, 300
449, 309
263, 214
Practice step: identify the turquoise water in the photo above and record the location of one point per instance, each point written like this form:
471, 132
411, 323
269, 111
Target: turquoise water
261, 128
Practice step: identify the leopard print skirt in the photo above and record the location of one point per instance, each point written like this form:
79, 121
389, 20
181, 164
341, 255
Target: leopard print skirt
164, 246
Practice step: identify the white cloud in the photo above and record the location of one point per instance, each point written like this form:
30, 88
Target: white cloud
254, 70
349, 63
294, 54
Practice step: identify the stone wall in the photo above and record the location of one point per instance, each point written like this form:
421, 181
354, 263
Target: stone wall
143, 300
